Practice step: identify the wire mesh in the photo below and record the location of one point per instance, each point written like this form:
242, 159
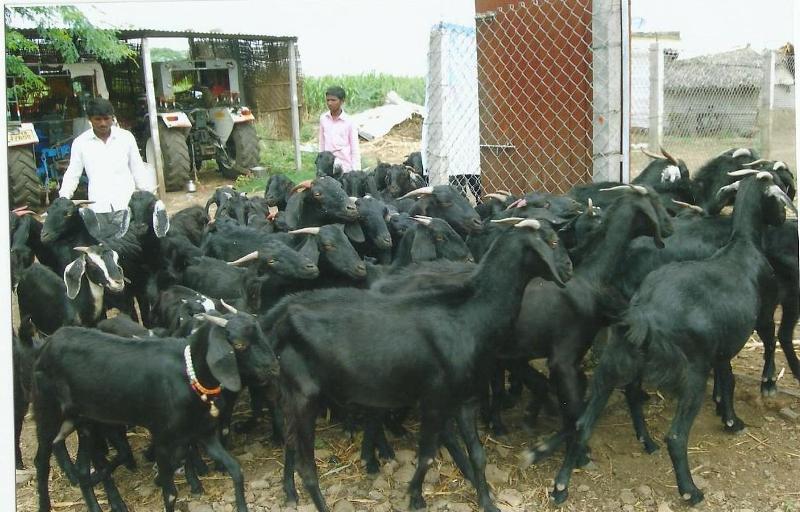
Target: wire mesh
710, 103
535, 81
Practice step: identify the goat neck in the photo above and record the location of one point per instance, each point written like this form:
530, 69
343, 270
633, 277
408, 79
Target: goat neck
500, 279
608, 244
749, 216
198, 346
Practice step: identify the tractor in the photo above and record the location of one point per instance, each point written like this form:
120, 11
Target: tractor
41, 127
200, 117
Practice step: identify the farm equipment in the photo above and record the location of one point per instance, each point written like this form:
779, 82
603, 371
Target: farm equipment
41, 128
201, 117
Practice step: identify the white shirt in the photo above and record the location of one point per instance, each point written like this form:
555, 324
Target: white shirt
114, 168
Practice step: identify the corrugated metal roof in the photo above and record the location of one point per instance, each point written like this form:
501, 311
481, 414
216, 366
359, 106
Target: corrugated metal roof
735, 69
140, 33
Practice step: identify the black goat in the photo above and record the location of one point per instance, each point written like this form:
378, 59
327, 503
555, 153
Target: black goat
414, 161
76, 299
175, 307
84, 376
324, 164
560, 324
438, 345
358, 184
677, 330
319, 202
444, 202
431, 239
713, 175
278, 190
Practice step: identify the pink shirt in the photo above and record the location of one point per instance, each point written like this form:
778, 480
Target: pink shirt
340, 137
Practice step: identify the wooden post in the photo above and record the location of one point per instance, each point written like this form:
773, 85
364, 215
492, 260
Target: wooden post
152, 115
294, 104
656, 114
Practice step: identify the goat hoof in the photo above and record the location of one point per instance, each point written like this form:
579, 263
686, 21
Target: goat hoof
290, 502
769, 388
196, 490
693, 497
371, 466
734, 426
417, 503
559, 497
650, 446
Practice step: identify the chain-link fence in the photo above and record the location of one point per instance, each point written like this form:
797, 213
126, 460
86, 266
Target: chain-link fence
698, 107
546, 111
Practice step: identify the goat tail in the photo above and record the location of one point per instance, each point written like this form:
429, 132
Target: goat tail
664, 363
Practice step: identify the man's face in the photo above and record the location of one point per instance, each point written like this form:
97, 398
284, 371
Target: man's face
101, 125
334, 103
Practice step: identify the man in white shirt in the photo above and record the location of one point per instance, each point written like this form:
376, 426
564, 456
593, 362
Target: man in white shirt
111, 159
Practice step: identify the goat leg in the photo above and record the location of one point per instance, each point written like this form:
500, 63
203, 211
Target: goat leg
633, 396
765, 327
790, 307
432, 423
220, 455
689, 403
83, 466
458, 455
102, 468
467, 423
723, 374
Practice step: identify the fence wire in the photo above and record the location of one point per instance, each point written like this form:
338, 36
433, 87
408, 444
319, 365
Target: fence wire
698, 107
542, 75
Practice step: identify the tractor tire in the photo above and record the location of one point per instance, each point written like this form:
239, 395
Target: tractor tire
177, 162
24, 185
243, 151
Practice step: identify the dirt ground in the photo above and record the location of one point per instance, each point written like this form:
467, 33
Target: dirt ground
757, 470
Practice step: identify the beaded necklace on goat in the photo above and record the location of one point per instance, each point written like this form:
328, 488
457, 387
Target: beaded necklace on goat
204, 393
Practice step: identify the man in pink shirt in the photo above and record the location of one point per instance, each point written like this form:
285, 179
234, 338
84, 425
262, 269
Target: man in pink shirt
338, 134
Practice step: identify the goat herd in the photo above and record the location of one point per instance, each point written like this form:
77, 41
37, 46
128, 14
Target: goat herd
374, 292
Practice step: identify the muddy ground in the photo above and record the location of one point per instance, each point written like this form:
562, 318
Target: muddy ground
758, 470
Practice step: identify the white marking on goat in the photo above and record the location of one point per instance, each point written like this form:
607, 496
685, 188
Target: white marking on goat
208, 304
560, 487
97, 298
686, 496
670, 173
542, 448
729, 423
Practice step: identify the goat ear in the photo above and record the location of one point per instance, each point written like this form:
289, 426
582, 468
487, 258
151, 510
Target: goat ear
121, 219
294, 206
222, 360
160, 219
310, 249
91, 222
73, 275
354, 232
211, 200
422, 248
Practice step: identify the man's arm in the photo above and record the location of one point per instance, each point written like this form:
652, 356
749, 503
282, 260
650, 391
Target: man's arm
142, 177
321, 135
355, 153
69, 182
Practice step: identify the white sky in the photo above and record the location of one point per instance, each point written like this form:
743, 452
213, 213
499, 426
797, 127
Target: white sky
391, 36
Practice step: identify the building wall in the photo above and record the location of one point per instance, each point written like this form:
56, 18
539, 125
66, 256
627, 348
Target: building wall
707, 113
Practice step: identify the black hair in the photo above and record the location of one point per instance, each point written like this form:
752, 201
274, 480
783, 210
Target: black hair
335, 91
99, 107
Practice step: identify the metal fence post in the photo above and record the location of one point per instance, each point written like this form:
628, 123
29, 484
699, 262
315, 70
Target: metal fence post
656, 121
766, 100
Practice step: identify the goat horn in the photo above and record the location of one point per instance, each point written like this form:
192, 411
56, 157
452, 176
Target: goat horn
244, 259
422, 191
528, 223
687, 205
590, 203
305, 231
425, 221
654, 156
508, 220
504, 192
671, 158
618, 187
741, 152
640, 189
302, 185
742, 172
81, 202
775, 167
764, 175
499, 197
81, 249
519, 203
229, 307
755, 162
214, 319
775, 191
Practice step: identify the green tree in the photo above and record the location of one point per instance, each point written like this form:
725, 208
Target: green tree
50, 23
167, 54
